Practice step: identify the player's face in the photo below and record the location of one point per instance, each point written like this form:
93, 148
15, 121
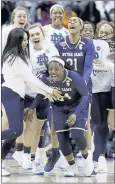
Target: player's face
57, 16
74, 25
55, 71
105, 32
88, 31
20, 18
25, 41
36, 35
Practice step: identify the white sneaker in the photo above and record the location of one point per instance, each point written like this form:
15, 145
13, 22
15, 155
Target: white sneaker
62, 162
102, 165
71, 171
18, 156
88, 164
37, 168
26, 161
37, 156
5, 173
40, 156
95, 164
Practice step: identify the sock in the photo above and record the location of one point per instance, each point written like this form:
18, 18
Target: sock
84, 153
19, 147
27, 149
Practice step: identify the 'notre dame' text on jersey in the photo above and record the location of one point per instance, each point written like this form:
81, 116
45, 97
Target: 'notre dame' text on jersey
78, 57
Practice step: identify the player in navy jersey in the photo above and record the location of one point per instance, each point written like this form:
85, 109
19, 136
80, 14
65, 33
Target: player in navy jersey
77, 52
69, 113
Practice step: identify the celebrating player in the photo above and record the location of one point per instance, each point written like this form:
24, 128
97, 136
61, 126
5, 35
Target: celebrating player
69, 113
78, 54
55, 31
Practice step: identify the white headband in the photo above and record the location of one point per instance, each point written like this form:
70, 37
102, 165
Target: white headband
58, 60
56, 5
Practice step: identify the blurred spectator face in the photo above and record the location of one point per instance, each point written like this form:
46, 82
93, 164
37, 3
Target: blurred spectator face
74, 25
88, 31
105, 32
57, 16
20, 18
36, 35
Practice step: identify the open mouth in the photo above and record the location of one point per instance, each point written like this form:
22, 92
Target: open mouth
36, 41
72, 28
21, 23
54, 77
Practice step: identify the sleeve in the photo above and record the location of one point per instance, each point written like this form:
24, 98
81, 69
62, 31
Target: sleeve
35, 84
4, 38
88, 64
58, 47
81, 88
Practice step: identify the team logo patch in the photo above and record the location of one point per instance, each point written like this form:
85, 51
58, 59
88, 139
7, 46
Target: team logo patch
98, 48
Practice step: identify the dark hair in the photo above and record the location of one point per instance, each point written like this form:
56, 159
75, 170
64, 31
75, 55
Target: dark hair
13, 46
88, 22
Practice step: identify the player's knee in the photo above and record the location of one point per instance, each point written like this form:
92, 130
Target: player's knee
18, 132
77, 134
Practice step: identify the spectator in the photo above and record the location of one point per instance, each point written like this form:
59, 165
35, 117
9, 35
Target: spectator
91, 13
68, 13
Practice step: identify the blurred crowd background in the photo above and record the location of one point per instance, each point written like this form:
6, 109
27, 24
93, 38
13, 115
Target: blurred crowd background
93, 11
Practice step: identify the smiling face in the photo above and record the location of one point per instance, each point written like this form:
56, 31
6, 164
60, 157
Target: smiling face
20, 18
36, 35
88, 31
105, 32
57, 16
74, 25
55, 71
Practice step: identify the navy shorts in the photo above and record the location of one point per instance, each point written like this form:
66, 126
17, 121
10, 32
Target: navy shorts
61, 117
41, 109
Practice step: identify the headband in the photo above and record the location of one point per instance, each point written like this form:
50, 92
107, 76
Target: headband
56, 5
58, 60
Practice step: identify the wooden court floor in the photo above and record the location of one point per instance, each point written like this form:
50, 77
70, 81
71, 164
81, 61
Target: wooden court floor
21, 176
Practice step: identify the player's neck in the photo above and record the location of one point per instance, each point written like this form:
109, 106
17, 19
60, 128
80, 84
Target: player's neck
74, 38
38, 47
57, 27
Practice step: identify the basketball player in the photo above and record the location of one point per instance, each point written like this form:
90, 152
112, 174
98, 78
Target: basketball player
69, 113
101, 51
101, 101
78, 54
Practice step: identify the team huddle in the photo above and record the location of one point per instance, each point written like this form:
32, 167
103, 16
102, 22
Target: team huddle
58, 78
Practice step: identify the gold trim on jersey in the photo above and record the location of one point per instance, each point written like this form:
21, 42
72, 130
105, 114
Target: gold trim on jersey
79, 41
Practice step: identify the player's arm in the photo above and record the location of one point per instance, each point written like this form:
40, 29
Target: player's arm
38, 99
88, 64
81, 88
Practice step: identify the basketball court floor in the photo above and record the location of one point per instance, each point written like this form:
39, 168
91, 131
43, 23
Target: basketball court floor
20, 175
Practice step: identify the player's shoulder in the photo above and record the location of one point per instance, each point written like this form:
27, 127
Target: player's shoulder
98, 41
73, 74
7, 29
86, 41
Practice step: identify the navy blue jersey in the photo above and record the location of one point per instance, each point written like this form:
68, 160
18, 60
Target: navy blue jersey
74, 90
78, 57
